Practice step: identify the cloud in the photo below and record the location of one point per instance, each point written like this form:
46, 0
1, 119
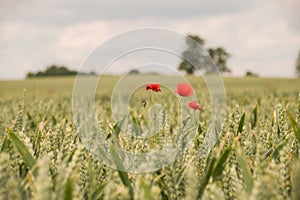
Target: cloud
260, 35
70, 11
289, 10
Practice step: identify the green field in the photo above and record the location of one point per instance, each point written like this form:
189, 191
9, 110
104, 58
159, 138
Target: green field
256, 156
64, 86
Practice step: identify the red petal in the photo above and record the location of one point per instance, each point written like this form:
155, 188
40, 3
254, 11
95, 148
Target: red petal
155, 87
184, 89
194, 105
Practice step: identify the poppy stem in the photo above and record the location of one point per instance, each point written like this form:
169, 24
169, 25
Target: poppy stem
195, 118
178, 111
152, 98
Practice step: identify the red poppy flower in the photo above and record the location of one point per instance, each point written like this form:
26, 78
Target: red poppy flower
194, 105
184, 89
155, 87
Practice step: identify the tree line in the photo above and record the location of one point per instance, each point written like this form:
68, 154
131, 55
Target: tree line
56, 70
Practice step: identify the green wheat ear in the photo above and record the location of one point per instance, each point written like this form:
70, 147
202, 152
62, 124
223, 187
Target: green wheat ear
296, 181
4, 174
43, 183
10, 186
192, 181
284, 170
298, 110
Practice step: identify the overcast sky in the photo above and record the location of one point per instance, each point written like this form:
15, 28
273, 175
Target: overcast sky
262, 35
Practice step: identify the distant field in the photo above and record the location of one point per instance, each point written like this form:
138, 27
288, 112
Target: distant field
41, 87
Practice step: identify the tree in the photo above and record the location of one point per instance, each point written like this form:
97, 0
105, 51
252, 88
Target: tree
134, 71
55, 70
191, 38
220, 56
199, 58
251, 74
191, 53
298, 65
30, 75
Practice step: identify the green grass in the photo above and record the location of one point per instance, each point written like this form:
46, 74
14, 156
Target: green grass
256, 157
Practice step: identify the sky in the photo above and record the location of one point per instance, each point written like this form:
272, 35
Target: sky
262, 36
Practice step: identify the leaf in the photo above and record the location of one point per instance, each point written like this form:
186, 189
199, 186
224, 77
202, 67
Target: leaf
241, 124
207, 174
221, 163
116, 131
277, 148
103, 155
136, 126
295, 125
123, 175
245, 168
162, 184
98, 192
180, 176
5, 144
200, 131
147, 192
29, 160
254, 121
72, 154
68, 190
